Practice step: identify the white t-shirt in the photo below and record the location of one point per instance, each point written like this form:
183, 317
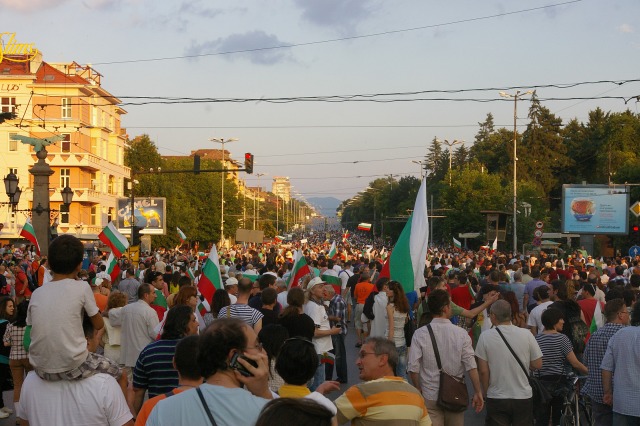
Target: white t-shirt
535, 316
96, 400
344, 275
506, 378
55, 313
320, 318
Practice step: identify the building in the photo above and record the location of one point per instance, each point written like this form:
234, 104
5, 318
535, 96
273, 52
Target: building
281, 187
64, 99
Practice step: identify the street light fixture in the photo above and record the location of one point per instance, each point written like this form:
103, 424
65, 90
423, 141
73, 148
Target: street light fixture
259, 175
421, 165
451, 145
515, 97
222, 141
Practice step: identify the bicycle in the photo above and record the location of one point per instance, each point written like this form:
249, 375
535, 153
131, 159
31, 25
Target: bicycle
576, 409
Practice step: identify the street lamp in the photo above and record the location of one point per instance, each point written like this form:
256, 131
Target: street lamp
258, 211
421, 165
222, 141
450, 145
515, 97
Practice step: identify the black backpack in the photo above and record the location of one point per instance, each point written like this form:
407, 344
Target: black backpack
368, 306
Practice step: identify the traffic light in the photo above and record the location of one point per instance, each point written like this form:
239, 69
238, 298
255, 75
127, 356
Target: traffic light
635, 233
196, 164
248, 163
135, 238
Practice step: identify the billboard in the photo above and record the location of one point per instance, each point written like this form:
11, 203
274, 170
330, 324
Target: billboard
149, 213
249, 236
595, 209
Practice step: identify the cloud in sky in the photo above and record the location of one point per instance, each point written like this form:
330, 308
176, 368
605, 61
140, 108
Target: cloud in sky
343, 15
625, 28
30, 5
238, 42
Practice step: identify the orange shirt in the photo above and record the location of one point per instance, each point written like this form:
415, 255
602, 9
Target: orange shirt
143, 415
362, 291
101, 301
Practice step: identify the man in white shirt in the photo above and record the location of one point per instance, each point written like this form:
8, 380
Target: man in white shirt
534, 322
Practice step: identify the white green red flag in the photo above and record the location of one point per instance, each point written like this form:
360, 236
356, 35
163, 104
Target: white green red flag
364, 227
181, 235
300, 269
457, 244
203, 308
30, 234
114, 239
494, 246
597, 321
407, 260
331, 277
278, 238
210, 279
113, 269
345, 235
333, 251
252, 277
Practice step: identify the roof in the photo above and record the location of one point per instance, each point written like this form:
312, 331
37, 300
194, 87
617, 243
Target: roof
47, 74
14, 68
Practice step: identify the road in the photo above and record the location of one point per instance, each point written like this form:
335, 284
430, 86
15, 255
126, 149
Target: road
471, 418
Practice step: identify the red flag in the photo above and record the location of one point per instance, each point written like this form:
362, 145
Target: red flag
385, 272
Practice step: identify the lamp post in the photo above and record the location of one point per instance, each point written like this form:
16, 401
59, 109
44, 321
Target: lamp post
222, 141
259, 175
450, 145
421, 165
515, 97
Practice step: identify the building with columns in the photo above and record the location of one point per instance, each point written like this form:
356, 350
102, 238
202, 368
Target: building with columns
65, 99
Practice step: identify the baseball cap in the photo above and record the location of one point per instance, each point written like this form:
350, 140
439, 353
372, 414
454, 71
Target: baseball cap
231, 281
314, 282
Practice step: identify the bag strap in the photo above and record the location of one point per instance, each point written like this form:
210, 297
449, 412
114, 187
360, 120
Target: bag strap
526, 373
435, 347
206, 407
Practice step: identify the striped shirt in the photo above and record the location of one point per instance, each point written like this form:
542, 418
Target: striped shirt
244, 312
555, 348
385, 401
154, 369
593, 354
623, 360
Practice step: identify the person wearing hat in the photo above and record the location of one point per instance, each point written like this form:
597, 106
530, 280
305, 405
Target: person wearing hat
231, 285
315, 309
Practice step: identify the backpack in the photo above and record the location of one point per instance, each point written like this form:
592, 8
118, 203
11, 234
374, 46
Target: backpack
368, 306
426, 316
577, 333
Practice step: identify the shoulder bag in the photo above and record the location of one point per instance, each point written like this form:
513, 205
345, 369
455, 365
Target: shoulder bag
206, 407
452, 394
540, 394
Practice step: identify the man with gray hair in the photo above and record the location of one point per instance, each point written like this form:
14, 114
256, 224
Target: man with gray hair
508, 394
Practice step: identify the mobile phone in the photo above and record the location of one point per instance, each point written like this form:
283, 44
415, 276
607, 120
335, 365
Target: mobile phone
241, 368
338, 325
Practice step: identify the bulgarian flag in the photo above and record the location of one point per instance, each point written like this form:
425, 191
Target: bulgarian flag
252, 277
333, 252
300, 269
407, 260
364, 227
203, 308
114, 239
383, 253
334, 280
181, 235
113, 269
210, 279
345, 235
30, 234
457, 244
278, 238
597, 321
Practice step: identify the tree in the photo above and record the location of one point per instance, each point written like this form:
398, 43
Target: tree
486, 129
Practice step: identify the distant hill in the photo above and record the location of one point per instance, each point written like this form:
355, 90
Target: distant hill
326, 206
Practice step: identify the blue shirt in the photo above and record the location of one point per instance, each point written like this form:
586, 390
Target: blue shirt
623, 359
593, 355
154, 369
412, 297
229, 406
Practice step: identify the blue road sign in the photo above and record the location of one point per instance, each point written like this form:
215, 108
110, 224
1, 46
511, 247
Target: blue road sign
634, 251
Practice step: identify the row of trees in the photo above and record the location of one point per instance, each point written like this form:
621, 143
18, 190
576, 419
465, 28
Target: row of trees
193, 201
602, 150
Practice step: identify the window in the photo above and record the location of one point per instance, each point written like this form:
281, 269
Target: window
14, 171
94, 146
111, 214
66, 107
94, 215
64, 217
65, 178
8, 104
94, 181
13, 144
66, 142
94, 116
111, 184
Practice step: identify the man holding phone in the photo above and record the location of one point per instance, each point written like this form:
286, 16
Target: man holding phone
337, 313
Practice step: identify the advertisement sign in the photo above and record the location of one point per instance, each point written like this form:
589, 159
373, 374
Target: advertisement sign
595, 209
148, 213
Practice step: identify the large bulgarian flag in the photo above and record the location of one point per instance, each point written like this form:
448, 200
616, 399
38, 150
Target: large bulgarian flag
407, 260
597, 321
300, 269
114, 239
333, 252
457, 244
30, 234
181, 235
364, 226
210, 279
113, 269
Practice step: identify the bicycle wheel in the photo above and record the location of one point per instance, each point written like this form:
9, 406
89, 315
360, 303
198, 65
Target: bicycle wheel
584, 415
568, 418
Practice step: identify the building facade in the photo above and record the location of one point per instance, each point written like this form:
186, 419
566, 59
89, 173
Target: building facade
281, 187
65, 99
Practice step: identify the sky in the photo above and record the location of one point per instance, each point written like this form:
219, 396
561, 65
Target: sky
244, 54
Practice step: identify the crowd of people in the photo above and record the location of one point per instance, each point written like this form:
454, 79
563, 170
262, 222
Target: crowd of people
144, 347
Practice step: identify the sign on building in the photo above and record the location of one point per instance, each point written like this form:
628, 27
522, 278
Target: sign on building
148, 213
